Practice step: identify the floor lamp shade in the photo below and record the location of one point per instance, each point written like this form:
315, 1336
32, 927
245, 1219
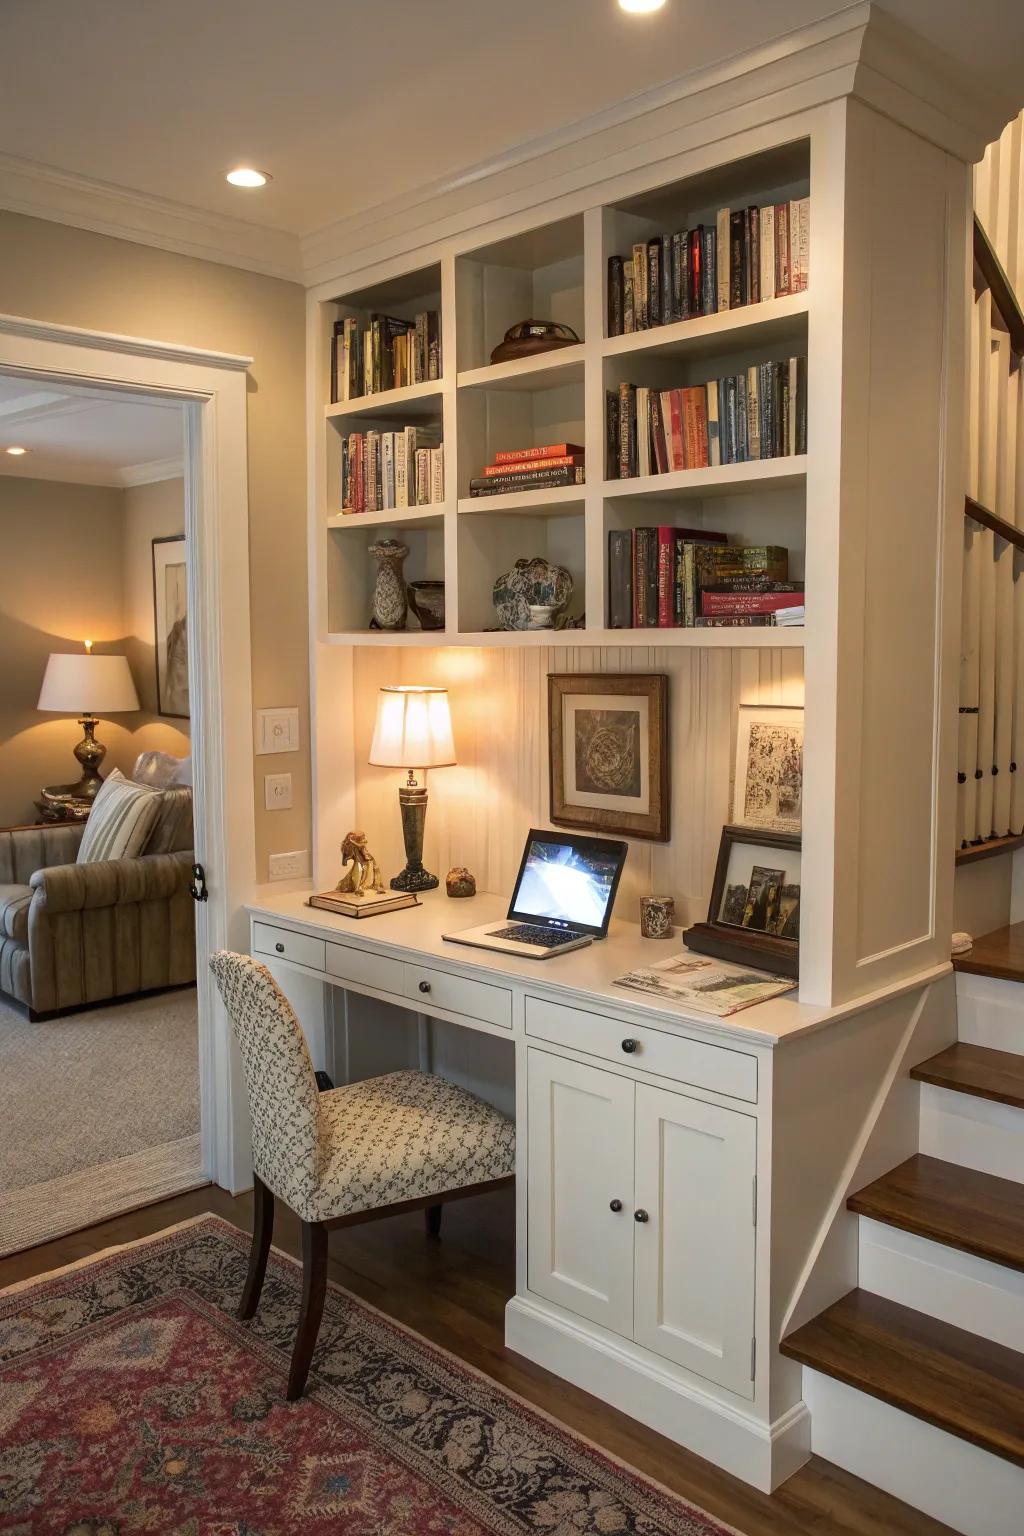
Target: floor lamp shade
77, 684
413, 730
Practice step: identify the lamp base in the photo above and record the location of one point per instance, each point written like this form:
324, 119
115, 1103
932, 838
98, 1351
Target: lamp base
412, 798
415, 880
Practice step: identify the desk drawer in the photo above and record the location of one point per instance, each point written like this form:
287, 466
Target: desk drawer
457, 994
714, 1067
363, 969
281, 944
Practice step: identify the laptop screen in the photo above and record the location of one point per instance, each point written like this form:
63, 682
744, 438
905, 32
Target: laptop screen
568, 882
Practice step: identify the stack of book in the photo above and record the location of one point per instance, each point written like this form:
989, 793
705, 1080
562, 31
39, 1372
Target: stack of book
760, 414
381, 470
531, 469
388, 354
747, 255
790, 618
666, 578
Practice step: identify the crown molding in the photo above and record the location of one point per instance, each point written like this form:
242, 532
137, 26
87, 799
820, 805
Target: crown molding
44, 192
150, 472
132, 346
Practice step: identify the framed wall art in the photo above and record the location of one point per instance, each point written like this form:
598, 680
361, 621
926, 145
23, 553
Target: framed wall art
170, 622
769, 782
754, 913
609, 753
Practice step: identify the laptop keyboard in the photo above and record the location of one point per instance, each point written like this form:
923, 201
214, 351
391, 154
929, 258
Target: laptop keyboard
527, 933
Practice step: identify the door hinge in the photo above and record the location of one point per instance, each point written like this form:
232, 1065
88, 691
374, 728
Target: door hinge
753, 1213
753, 1356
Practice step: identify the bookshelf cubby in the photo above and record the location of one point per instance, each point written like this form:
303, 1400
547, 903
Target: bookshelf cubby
556, 270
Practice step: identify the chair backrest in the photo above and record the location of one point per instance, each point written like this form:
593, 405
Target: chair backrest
279, 1078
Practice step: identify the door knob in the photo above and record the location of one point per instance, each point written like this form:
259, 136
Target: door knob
279, 948
641, 1216
629, 1046
615, 1205
424, 986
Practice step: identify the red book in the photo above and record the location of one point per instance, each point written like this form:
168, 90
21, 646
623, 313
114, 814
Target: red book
658, 436
720, 605
666, 576
677, 456
515, 466
695, 426
550, 451
696, 276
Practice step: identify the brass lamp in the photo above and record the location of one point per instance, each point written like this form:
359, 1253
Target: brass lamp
87, 686
413, 731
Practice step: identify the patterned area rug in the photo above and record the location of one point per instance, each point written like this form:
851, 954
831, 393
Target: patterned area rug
131, 1399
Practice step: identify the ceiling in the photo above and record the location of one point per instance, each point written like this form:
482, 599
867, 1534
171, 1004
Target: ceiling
349, 103
87, 436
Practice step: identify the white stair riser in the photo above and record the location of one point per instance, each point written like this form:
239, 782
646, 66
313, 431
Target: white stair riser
969, 1489
957, 1288
990, 1012
976, 1133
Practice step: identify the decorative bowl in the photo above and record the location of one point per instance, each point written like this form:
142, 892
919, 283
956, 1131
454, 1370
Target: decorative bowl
541, 615
426, 599
531, 336
531, 584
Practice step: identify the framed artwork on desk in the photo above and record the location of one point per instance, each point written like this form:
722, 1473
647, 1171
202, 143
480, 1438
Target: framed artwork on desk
754, 912
609, 768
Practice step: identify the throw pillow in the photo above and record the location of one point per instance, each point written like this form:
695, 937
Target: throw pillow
172, 829
120, 821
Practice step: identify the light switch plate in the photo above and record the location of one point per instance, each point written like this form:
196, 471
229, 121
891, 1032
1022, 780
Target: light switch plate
289, 866
277, 730
277, 791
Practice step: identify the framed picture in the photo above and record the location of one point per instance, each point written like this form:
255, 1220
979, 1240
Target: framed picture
768, 788
609, 753
754, 913
170, 625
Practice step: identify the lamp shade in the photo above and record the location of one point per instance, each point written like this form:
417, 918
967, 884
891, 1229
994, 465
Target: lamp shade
76, 684
413, 729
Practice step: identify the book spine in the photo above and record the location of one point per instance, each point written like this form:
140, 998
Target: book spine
709, 273
752, 581
801, 405
678, 454
742, 621
696, 260
422, 477
639, 578
659, 444
548, 451
640, 287
651, 579
620, 578
689, 582
627, 429
628, 298
782, 250
402, 468
678, 576
611, 435
722, 257
755, 254
803, 205
615, 296
436, 476
666, 577
387, 489
748, 294
510, 466
654, 260
766, 248
736, 259
723, 604
714, 445
683, 258
753, 413
667, 312
433, 344
524, 480
643, 431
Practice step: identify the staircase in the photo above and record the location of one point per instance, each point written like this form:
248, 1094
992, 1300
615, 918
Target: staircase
915, 1380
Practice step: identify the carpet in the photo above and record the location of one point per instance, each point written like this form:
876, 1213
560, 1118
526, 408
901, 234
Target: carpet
100, 1113
131, 1399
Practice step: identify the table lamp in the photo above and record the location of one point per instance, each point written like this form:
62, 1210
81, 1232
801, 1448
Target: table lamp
87, 686
413, 731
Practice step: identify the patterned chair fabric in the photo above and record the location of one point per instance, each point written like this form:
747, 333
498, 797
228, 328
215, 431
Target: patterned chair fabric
402, 1136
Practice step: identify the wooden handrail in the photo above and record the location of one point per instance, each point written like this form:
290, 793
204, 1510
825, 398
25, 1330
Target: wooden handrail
990, 269
981, 514
988, 849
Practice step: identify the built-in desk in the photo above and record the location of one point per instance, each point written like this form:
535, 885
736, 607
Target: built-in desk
650, 1142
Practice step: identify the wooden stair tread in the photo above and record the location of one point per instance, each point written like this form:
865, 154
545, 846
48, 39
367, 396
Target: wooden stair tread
976, 1212
946, 1376
999, 953
975, 1069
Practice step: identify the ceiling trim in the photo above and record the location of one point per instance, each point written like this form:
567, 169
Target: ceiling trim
44, 192
110, 341
150, 472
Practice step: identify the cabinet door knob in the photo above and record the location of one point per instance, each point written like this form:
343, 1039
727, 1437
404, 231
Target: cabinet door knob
424, 986
615, 1205
641, 1215
279, 948
629, 1046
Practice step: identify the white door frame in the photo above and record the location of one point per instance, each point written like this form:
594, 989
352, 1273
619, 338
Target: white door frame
211, 386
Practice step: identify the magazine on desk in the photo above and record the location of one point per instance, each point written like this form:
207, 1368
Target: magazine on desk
701, 985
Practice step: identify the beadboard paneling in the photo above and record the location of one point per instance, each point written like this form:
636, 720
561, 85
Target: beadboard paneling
481, 810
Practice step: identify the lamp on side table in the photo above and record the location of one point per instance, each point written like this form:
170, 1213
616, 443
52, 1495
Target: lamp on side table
87, 686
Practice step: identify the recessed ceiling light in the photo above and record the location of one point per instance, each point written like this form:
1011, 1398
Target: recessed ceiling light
247, 176
16, 453
641, 7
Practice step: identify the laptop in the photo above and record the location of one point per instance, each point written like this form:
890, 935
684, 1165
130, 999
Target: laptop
562, 900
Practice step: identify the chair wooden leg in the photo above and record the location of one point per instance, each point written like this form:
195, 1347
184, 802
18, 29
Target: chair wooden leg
314, 1289
433, 1219
262, 1232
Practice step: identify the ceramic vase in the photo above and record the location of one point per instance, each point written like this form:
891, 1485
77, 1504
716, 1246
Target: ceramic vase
390, 601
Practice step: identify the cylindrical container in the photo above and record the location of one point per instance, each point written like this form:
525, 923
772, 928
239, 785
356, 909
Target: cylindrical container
657, 916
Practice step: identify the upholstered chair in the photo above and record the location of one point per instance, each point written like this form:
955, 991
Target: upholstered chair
405, 1141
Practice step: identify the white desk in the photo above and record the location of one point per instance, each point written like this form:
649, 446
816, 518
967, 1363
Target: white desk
645, 1162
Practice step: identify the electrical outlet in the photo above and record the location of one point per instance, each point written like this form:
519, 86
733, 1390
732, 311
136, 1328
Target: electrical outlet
289, 866
277, 791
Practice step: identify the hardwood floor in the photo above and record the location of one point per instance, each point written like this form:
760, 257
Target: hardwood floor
454, 1292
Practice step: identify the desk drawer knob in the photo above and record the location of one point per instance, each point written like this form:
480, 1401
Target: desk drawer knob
641, 1216
279, 948
615, 1205
629, 1046
424, 986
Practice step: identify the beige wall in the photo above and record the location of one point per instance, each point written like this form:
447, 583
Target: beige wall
72, 277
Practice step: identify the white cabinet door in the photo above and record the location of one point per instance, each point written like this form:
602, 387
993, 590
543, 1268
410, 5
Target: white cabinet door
694, 1279
580, 1168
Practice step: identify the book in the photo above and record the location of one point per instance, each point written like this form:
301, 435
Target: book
654, 260
611, 425
512, 466
781, 249
628, 299
616, 297
375, 473
371, 905
766, 244
620, 578
724, 604
548, 451
722, 257
640, 286
524, 480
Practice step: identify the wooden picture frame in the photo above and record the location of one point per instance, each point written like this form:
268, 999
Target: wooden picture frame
609, 762
170, 627
766, 862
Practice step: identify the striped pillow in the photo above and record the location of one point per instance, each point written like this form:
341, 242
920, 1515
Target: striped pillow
120, 821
